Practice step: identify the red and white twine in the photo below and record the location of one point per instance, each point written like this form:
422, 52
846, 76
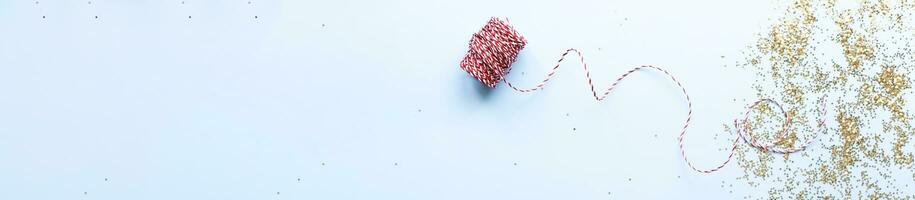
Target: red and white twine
494, 48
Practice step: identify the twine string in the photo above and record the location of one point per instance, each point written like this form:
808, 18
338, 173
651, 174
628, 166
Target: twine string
495, 47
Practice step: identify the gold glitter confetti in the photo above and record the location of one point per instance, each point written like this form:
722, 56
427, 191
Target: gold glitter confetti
860, 54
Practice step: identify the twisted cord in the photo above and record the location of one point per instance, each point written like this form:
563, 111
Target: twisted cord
493, 50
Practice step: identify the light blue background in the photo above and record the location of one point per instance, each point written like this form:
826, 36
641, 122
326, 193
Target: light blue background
224, 105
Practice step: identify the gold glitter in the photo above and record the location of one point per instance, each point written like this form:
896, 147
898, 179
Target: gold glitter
859, 53
788, 41
893, 83
850, 134
898, 154
855, 48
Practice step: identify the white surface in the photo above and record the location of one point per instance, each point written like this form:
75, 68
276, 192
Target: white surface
225, 106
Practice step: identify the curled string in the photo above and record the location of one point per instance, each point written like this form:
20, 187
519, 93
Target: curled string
494, 48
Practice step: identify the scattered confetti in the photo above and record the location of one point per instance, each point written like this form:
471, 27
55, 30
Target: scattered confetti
860, 52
